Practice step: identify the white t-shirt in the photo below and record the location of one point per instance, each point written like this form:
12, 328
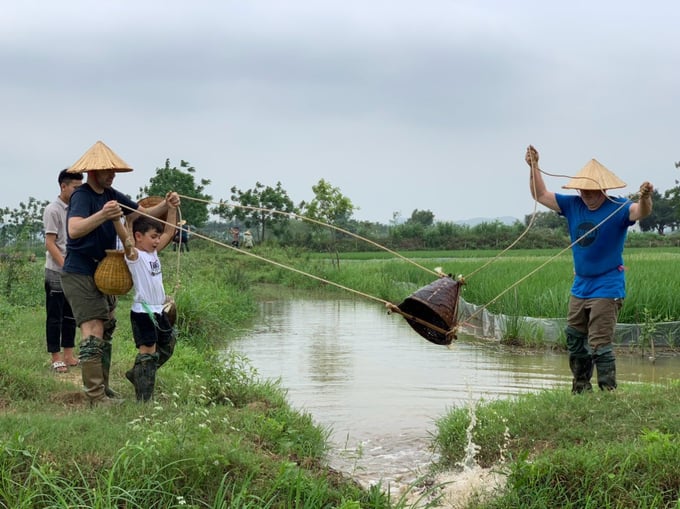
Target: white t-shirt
148, 282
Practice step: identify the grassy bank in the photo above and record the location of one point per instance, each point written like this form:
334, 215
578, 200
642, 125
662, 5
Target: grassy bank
596, 450
215, 437
219, 437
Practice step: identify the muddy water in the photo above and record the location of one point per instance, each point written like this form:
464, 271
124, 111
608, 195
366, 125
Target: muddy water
378, 386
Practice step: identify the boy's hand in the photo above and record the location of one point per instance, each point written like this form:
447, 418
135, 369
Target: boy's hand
172, 199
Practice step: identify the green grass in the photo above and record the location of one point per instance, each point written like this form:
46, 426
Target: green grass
216, 436
599, 450
219, 437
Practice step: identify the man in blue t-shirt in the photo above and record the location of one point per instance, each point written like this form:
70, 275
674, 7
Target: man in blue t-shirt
598, 224
92, 209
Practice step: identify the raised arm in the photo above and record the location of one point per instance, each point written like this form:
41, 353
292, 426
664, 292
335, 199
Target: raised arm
539, 191
169, 231
643, 207
126, 239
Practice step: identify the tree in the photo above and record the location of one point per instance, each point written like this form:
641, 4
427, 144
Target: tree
263, 207
23, 227
549, 220
396, 218
181, 180
329, 206
422, 217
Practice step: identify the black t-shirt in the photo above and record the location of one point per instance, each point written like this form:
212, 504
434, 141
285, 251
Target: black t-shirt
83, 254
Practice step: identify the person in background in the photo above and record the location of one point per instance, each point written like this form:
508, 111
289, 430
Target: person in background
186, 232
93, 208
175, 241
235, 234
181, 237
151, 328
60, 326
598, 225
248, 239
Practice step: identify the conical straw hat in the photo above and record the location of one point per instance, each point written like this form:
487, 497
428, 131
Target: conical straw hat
594, 176
99, 157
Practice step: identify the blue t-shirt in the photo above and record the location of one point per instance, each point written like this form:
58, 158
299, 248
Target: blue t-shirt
598, 257
83, 254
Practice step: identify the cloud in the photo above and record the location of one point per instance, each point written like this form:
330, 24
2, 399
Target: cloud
403, 105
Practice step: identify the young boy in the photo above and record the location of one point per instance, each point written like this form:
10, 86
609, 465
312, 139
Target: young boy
151, 329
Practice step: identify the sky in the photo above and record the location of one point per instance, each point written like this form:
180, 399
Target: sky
402, 105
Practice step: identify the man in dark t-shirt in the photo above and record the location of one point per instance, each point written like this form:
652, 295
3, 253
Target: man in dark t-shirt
92, 210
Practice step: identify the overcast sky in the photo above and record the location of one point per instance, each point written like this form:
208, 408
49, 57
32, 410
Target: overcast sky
401, 104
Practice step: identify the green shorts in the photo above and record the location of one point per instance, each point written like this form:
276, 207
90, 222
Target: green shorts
86, 301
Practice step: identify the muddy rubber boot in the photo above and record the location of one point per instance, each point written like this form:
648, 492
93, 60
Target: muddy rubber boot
580, 360
144, 375
90, 356
106, 368
109, 328
582, 370
605, 362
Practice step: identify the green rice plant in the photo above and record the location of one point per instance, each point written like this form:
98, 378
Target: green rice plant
517, 329
541, 278
520, 331
648, 329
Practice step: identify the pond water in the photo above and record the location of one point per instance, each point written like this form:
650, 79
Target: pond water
379, 387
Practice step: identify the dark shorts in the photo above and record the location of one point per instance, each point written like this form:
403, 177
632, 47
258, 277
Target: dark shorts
147, 333
86, 301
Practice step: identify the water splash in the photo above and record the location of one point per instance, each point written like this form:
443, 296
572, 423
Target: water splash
471, 448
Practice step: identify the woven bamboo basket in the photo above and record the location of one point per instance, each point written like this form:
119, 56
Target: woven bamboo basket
434, 305
152, 201
112, 276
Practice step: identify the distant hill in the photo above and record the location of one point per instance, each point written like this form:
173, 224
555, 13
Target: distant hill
474, 221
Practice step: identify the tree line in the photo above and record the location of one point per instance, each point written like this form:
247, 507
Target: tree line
326, 222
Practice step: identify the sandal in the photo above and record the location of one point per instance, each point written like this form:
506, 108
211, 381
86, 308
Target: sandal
59, 367
75, 363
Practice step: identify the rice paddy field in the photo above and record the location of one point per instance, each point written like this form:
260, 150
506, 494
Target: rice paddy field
533, 283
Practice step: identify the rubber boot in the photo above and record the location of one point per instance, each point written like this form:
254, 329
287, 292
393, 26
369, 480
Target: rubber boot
143, 375
605, 362
582, 370
90, 355
109, 327
580, 361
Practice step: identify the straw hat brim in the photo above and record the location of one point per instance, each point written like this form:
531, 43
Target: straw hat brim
99, 157
594, 177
